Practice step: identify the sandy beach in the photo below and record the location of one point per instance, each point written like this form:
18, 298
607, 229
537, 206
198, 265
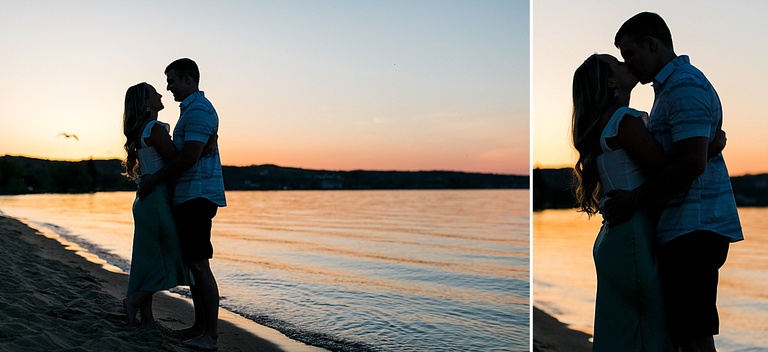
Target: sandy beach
550, 335
53, 299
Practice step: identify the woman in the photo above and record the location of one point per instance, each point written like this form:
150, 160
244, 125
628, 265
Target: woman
616, 152
156, 262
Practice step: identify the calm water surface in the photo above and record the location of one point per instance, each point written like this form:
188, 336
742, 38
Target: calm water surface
564, 280
346, 270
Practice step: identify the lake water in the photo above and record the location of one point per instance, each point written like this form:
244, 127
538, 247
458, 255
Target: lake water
346, 270
564, 281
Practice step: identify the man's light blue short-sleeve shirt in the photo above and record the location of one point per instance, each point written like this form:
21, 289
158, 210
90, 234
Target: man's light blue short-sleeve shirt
685, 106
198, 122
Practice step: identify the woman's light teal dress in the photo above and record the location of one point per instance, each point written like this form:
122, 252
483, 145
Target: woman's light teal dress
156, 262
629, 306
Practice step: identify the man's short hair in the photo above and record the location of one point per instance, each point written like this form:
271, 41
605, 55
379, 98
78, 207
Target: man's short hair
183, 67
643, 25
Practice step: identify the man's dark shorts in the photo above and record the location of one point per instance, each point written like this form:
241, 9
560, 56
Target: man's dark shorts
193, 222
689, 268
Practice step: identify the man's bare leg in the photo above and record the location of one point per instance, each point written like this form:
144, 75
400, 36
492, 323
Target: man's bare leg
206, 299
197, 327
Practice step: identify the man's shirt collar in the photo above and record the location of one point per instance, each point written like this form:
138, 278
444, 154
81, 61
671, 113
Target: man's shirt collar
190, 98
663, 75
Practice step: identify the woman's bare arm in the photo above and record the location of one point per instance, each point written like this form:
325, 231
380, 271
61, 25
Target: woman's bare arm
635, 138
161, 140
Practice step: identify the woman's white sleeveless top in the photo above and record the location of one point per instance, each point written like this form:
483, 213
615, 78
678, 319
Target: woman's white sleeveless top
149, 159
616, 168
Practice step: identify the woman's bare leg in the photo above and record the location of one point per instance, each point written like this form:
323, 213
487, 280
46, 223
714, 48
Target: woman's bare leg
147, 318
133, 302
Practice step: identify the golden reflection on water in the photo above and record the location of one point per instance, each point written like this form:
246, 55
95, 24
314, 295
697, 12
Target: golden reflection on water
563, 272
422, 229
371, 225
564, 281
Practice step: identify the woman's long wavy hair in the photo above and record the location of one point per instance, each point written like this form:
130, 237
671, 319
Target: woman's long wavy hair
591, 97
134, 115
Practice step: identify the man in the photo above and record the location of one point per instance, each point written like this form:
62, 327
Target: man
697, 210
199, 191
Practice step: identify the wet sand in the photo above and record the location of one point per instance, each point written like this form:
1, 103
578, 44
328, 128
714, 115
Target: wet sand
52, 299
550, 335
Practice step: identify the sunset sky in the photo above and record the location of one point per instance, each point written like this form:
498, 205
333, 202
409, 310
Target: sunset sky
336, 85
725, 39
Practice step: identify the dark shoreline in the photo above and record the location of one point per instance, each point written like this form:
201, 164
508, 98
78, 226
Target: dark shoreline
22, 175
552, 189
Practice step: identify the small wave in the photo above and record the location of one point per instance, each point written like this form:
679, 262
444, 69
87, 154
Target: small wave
313, 338
89, 247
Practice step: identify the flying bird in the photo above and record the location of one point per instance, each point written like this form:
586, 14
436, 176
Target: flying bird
67, 135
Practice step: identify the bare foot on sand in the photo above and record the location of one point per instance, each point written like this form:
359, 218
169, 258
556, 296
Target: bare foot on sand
187, 334
202, 343
150, 324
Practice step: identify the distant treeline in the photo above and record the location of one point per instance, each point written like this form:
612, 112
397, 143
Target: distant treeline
21, 175
552, 189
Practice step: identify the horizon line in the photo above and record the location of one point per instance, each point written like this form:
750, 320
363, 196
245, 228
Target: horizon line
286, 167
558, 167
